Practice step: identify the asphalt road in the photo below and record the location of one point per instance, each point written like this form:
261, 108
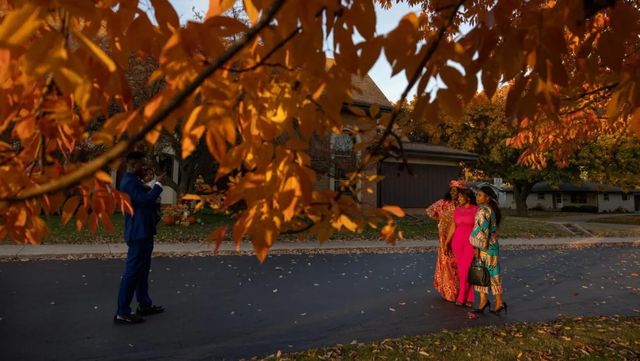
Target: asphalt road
232, 307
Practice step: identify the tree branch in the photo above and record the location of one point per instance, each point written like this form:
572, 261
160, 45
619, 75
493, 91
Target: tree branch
120, 148
278, 46
414, 79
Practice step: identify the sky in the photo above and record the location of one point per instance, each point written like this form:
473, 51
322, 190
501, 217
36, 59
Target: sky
392, 87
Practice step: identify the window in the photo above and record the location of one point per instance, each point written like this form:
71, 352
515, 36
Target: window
540, 196
342, 145
606, 196
340, 175
343, 159
625, 196
165, 165
579, 198
558, 197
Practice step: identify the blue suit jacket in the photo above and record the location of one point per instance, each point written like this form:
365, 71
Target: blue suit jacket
142, 224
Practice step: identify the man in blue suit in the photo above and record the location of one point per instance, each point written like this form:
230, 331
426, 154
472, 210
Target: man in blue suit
139, 230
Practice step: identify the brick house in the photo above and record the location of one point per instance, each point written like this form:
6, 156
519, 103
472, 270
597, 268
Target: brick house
333, 156
432, 165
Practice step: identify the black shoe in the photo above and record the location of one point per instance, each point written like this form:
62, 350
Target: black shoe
498, 310
127, 319
481, 310
151, 310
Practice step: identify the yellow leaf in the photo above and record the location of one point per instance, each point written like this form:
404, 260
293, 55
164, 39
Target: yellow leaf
95, 50
395, 210
348, 223
278, 116
191, 197
218, 7
18, 25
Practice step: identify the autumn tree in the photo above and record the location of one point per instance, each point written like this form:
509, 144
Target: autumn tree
485, 130
241, 96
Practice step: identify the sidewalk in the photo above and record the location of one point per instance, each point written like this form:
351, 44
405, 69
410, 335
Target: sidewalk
120, 249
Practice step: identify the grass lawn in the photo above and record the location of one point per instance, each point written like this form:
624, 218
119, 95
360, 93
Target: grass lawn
542, 214
629, 219
414, 228
566, 339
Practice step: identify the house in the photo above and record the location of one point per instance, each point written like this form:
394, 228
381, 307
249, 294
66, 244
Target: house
334, 156
586, 196
432, 166
500, 191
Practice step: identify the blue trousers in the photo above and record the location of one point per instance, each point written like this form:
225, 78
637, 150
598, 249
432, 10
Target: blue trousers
136, 276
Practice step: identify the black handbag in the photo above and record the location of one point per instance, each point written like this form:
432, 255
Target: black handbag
479, 274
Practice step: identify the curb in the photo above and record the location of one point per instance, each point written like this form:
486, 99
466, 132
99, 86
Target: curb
314, 251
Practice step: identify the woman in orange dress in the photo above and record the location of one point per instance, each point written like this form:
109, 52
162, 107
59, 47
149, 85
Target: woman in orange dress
445, 279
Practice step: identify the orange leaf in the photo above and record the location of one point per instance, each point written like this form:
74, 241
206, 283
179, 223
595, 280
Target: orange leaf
95, 50
165, 14
395, 210
217, 236
218, 7
103, 177
69, 208
18, 25
252, 11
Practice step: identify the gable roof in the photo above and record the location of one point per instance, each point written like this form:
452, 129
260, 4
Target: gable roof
367, 91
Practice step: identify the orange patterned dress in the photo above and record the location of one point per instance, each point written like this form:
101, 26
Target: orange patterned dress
445, 279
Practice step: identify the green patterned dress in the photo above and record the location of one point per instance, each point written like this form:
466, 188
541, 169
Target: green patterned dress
484, 237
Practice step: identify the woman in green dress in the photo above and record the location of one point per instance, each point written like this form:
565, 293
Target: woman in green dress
485, 241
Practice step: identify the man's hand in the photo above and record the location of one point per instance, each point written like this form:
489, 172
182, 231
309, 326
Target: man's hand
161, 178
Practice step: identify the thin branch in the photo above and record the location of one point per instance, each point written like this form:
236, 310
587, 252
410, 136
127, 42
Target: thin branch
278, 46
414, 79
416, 76
120, 148
594, 91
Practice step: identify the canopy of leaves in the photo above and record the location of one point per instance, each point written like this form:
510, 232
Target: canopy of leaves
242, 87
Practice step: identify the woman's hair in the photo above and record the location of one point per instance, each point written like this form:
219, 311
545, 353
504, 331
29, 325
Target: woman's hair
493, 202
469, 194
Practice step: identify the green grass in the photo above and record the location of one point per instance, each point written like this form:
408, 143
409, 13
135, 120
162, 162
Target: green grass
419, 227
630, 219
517, 227
67, 234
541, 214
599, 338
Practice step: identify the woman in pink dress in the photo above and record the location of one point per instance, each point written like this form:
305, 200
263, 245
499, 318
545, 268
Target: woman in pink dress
458, 241
445, 277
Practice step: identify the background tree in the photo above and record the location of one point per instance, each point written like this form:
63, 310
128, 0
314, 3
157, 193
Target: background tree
241, 96
484, 130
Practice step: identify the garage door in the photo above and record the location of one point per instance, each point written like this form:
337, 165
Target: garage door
427, 184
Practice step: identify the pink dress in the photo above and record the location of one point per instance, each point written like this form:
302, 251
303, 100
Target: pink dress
463, 250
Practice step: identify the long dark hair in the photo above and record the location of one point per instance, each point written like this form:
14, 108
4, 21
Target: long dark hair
469, 194
493, 202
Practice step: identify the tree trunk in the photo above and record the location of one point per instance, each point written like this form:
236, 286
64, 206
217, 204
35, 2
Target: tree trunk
521, 191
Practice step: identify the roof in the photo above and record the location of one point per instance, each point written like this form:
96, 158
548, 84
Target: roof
428, 149
367, 91
575, 187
